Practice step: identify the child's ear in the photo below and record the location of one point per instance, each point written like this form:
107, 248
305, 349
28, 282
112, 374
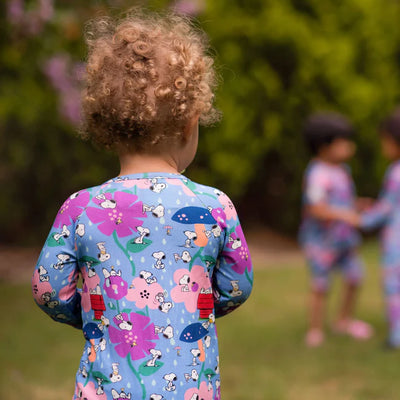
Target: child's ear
191, 127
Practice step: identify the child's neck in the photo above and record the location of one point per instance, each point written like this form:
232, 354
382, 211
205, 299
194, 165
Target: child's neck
142, 163
327, 160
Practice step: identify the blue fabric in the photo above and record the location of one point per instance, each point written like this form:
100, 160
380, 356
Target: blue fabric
160, 257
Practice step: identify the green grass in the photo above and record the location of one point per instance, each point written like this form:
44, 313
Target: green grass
262, 355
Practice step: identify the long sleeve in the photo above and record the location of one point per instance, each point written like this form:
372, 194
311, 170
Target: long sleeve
54, 281
379, 213
233, 276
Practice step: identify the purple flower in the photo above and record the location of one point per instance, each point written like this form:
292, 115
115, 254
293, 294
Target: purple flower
72, 208
189, 7
118, 212
134, 335
15, 11
115, 287
66, 76
238, 254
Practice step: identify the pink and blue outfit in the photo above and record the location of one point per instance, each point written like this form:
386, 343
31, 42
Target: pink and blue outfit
329, 245
385, 214
160, 258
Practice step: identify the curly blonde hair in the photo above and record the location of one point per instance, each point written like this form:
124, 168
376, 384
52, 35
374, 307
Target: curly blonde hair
147, 76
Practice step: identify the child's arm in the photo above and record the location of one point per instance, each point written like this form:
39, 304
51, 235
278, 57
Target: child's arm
316, 194
54, 281
379, 213
325, 212
233, 274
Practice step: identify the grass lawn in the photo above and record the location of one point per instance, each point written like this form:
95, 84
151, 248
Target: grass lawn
261, 346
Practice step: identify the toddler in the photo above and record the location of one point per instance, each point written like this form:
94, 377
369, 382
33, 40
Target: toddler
326, 235
161, 257
385, 213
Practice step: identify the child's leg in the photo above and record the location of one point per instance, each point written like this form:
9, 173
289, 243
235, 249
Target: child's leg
320, 262
391, 282
352, 270
317, 309
346, 309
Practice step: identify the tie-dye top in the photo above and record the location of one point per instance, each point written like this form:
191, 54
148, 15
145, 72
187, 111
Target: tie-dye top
160, 258
385, 214
333, 185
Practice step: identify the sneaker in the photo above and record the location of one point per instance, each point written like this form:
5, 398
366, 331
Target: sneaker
357, 329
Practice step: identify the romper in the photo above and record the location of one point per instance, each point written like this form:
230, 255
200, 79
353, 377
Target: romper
329, 244
160, 258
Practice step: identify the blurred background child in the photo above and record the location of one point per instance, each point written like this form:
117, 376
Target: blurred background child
385, 214
326, 235
161, 257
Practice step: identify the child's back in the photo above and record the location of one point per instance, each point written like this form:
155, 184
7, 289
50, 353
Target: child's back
147, 248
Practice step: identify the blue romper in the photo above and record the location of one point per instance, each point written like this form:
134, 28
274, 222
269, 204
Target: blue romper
160, 258
386, 214
329, 244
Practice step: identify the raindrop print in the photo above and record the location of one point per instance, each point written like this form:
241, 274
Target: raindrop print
118, 262
182, 321
156, 228
153, 383
142, 260
162, 220
90, 237
164, 242
178, 201
175, 363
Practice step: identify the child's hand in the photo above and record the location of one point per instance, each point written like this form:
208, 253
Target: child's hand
350, 217
364, 203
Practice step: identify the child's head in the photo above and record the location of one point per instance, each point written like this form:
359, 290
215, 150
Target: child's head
148, 78
329, 135
390, 135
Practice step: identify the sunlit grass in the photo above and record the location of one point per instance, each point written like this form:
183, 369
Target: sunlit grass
261, 346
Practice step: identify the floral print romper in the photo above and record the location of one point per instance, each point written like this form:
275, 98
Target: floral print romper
385, 214
160, 258
333, 244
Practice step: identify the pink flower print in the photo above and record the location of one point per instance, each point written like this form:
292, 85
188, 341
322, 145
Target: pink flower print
42, 290
72, 208
202, 392
144, 294
134, 335
238, 255
68, 291
139, 183
178, 182
189, 284
228, 206
88, 392
119, 211
115, 287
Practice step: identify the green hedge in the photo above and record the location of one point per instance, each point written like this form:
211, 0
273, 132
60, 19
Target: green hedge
278, 61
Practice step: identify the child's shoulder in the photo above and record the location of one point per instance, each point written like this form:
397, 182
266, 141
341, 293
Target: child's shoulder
393, 171
210, 195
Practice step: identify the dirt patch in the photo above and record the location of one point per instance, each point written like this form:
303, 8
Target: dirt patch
267, 249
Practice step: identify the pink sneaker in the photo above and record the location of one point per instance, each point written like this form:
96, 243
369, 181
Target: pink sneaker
357, 329
314, 338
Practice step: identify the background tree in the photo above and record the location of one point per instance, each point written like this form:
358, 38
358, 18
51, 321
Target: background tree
279, 62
